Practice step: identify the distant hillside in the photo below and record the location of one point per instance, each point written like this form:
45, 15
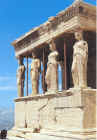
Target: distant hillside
6, 118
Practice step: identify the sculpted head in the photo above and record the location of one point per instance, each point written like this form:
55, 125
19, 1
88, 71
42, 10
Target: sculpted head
78, 35
20, 60
33, 55
52, 45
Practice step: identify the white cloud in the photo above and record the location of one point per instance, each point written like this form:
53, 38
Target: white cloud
7, 78
6, 118
8, 83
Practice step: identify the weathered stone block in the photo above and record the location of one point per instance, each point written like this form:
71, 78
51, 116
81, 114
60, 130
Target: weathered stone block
73, 109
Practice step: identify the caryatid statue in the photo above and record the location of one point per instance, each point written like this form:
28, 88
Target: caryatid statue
80, 59
20, 77
52, 68
35, 72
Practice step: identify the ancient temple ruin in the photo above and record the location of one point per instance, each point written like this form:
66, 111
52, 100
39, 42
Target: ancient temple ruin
52, 44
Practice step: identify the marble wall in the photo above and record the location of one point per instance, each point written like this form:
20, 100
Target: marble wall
72, 109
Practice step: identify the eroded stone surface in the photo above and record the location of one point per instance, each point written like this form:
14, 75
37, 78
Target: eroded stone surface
80, 59
52, 68
35, 66
20, 78
74, 109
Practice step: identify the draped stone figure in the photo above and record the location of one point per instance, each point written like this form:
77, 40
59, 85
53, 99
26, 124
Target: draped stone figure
80, 59
35, 72
20, 78
52, 69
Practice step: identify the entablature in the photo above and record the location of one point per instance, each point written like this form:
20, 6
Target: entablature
79, 15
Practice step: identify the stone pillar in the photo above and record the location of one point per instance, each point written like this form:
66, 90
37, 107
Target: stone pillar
20, 77
63, 80
27, 77
65, 68
52, 68
44, 60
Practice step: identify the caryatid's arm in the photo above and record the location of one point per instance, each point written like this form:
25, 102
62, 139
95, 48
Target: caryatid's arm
57, 57
85, 49
38, 64
19, 73
23, 71
57, 53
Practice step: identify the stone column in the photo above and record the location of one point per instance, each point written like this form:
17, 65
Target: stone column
27, 67
65, 68
63, 79
63, 64
44, 60
20, 77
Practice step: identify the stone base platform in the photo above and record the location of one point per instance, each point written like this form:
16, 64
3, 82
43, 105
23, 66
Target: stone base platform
68, 114
53, 135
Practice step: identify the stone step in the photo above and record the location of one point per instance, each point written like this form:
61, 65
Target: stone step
53, 136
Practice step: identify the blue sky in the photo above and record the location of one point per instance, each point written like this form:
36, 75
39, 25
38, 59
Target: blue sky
16, 18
